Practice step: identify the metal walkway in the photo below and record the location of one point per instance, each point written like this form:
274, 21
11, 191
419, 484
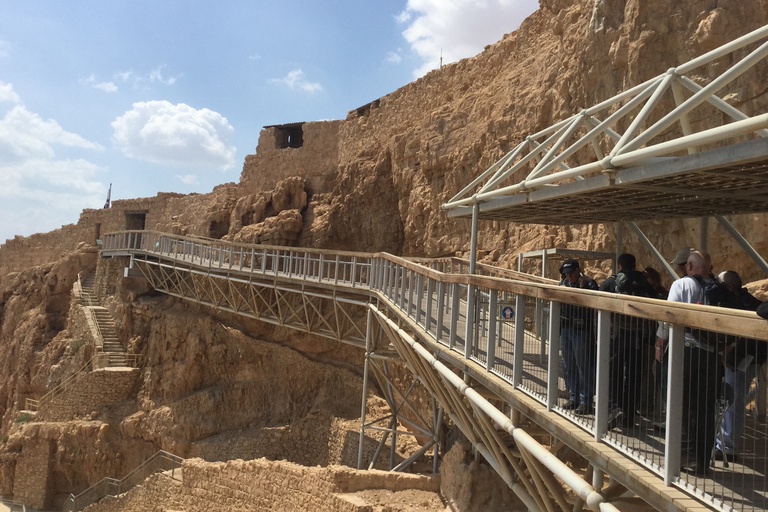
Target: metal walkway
496, 377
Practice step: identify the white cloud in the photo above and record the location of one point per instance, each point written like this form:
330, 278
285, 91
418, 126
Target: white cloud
156, 75
41, 192
25, 135
124, 75
41, 195
102, 86
7, 94
188, 179
255, 56
296, 80
178, 135
459, 28
106, 86
394, 57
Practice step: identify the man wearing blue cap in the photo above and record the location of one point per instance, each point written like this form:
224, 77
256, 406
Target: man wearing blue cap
577, 345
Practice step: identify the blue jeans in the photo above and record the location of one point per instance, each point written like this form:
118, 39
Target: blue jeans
736, 386
579, 357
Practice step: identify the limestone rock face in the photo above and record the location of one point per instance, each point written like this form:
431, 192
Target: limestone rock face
34, 306
270, 218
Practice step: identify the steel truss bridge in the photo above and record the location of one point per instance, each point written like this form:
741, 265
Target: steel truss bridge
502, 388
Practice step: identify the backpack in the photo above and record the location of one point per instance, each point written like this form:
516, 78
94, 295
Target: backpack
715, 294
712, 294
633, 282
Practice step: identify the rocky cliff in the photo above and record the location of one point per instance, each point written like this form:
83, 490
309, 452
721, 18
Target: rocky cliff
374, 181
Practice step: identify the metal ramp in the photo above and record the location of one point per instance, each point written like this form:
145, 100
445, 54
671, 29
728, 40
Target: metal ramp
487, 375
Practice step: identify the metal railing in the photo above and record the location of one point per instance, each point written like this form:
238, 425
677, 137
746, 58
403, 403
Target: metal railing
89, 305
514, 332
34, 405
161, 461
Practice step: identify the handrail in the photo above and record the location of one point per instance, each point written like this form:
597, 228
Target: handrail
432, 299
729, 321
114, 487
34, 405
87, 297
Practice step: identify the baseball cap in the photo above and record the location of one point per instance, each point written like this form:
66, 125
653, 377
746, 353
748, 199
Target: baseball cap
569, 266
682, 256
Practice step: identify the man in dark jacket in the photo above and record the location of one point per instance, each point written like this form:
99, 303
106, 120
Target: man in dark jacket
629, 335
741, 361
577, 343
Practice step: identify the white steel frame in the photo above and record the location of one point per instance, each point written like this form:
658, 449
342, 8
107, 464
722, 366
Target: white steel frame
590, 143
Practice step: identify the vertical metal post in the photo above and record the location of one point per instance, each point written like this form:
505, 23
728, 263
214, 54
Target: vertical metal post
519, 346
471, 289
675, 382
619, 243
336, 271
353, 275
419, 296
490, 360
553, 365
455, 304
428, 306
469, 320
369, 316
320, 270
411, 285
473, 239
704, 233
602, 387
440, 310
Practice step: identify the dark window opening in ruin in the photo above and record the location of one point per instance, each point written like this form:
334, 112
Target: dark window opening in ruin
97, 234
289, 136
218, 229
135, 220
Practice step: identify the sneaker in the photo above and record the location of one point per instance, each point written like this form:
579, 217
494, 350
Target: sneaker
569, 405
582, 410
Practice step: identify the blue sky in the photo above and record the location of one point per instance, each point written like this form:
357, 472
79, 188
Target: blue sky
170, 96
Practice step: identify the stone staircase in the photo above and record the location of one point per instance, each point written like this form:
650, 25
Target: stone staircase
106, 324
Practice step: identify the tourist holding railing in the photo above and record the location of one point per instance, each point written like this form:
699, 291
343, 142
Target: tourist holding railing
577, 342
699, 370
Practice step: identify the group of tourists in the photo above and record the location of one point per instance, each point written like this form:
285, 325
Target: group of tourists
638, 354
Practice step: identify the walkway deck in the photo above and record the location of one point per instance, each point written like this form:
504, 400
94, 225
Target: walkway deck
329, 293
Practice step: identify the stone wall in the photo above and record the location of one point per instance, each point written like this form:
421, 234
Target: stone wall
316, 160
318, 439
265, 485
194, 214
88, 393
33, 470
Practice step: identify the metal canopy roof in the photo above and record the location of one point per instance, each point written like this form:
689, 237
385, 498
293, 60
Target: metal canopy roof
623, 160
717, 182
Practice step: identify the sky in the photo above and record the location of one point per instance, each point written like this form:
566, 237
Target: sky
170, 96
